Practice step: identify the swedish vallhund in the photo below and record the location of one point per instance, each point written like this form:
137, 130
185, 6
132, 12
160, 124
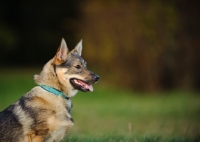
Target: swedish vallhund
43, 114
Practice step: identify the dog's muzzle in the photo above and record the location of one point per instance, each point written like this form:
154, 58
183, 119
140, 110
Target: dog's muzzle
84, 85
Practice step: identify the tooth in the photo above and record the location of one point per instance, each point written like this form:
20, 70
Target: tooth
75, 81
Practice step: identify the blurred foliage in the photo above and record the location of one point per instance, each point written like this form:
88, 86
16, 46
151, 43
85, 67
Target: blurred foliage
147, 45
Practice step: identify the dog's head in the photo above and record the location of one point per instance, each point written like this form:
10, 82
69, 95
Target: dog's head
71, 70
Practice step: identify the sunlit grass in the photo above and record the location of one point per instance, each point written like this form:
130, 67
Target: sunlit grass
110, 114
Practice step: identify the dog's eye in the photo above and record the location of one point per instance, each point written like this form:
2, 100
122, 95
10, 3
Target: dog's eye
78, 66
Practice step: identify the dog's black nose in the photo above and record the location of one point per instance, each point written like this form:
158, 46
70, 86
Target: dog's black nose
96, 78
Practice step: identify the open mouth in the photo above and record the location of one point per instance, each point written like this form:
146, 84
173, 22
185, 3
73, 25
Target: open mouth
81, 85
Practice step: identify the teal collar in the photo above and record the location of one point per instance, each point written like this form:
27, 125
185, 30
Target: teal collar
54, 91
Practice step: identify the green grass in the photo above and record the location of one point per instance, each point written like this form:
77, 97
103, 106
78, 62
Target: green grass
118, 115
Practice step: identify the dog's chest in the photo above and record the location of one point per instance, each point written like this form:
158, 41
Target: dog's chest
62, 123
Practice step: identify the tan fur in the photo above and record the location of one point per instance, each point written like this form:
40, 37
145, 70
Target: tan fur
35, 138
47, 76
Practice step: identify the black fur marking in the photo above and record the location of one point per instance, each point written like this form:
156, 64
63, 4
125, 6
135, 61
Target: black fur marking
69, 107
34, 114
29, 111
72, 120
65, 64
54, 68
10, 127
26, 109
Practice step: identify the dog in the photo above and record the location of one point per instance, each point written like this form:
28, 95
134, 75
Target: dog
43, 114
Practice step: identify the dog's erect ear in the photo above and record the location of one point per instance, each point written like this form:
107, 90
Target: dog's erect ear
61, 55
78, 48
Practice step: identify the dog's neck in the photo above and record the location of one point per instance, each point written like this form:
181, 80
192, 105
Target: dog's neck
49, 77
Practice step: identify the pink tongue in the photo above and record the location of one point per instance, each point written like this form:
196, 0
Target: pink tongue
86, 85
90, 88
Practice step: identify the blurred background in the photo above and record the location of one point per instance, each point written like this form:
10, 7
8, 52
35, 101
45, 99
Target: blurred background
138, 46
148, 45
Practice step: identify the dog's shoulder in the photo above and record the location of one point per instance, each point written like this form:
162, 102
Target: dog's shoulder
40, 98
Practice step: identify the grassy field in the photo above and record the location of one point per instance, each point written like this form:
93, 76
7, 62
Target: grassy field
117, 115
